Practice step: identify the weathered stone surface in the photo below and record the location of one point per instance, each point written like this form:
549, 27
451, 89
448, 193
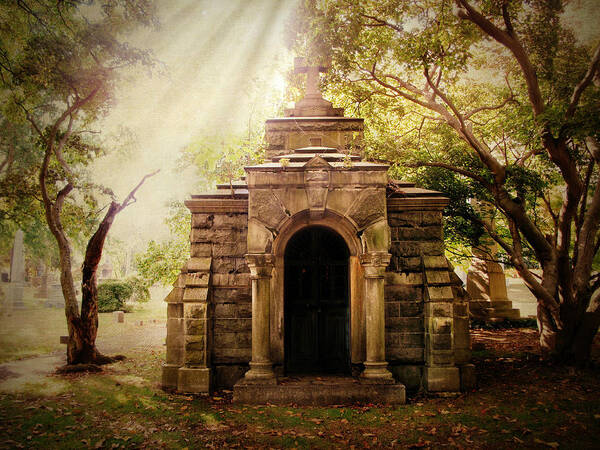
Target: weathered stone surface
409, 375
368, 207
241, 310
231, 279
266, 207
417, 233
193, 294
230, 265
438, 309
202, 220
405, 354
228, 295
235, 249
195, 326
193, 380
401, 293
411, 309
227, 376
439, 293
442, 379
119, 316
194, 310
232, 355
197, 279
240, 339
169, 376
198, 264
174, 310
405, 324
233, 325
201, 249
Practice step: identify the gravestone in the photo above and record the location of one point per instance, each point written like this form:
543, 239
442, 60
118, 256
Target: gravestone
17, 272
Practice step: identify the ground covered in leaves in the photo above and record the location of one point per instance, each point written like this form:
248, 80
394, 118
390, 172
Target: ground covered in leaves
520, 401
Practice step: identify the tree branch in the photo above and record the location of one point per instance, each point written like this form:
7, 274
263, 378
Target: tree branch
584, 83
452, 168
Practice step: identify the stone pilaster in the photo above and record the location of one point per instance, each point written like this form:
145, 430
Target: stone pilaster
261, 366
376, 367
440, 373
195, 375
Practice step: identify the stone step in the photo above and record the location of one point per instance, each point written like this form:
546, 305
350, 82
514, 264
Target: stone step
319, 391
318, 150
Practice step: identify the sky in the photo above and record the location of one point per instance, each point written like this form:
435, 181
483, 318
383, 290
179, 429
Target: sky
222, 63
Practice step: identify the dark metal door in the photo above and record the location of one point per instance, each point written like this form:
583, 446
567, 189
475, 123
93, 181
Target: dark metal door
316, 302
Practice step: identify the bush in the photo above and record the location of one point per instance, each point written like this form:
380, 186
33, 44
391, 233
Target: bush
141, 293
112, 295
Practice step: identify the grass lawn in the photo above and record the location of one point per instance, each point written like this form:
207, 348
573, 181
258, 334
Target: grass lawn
36, 330
520, 402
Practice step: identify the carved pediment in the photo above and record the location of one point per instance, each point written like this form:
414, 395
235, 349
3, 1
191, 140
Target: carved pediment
317, 162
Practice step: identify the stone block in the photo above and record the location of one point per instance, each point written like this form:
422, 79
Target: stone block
368, 207
240, 339
230, 265
194, 310
233, 249
192, 294
198, 264
175, 327
231, 280
461, 310
429, 248
233, 310
202, 220
226, 376
174, 310
402, 293
410, 340
392, 309
439, 293
441, 341
404, 324
409, 375
441, 379
462, 355
429, 218
417, 233
437, 276
403, 278
404, 219
404, 354
411, 309
438, 309
197, 279
233, 325
229, 295
468, 377
409, 264
175, 353
194, 343
200, 249
461, 333
192, 380
237, 221
231, 355
195, 327
406, 248
266, 207
119, 316
435, 262
175, 296
440, 357
441, 325
169, 376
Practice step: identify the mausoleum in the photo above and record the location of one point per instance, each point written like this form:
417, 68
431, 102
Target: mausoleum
316, 278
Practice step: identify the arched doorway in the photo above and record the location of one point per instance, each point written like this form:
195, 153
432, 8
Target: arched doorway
316, 302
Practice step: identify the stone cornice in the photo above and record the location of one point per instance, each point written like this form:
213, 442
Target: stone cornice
218, 205
417, 203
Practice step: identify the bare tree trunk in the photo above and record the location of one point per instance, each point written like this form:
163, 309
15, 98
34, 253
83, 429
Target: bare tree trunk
84, 340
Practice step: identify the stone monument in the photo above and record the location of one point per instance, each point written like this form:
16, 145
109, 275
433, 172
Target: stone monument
315, 264
486, 282
17, 272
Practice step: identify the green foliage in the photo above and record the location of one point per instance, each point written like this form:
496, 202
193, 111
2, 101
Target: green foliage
112, 295
140, 292
162, 261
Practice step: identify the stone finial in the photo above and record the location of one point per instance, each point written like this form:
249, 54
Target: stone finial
313, 104
312, 76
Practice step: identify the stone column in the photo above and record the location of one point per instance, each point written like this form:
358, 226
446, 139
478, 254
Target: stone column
374, 265
261, 366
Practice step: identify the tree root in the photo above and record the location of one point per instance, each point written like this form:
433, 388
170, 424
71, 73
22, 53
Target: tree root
79, 368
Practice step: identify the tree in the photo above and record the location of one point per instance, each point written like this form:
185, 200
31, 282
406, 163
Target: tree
59, 64
503, 98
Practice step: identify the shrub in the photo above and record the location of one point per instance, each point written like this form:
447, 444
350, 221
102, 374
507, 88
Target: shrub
141, 294
112, 295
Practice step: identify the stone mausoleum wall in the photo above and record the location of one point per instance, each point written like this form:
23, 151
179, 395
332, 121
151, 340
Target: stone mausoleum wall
427, 324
